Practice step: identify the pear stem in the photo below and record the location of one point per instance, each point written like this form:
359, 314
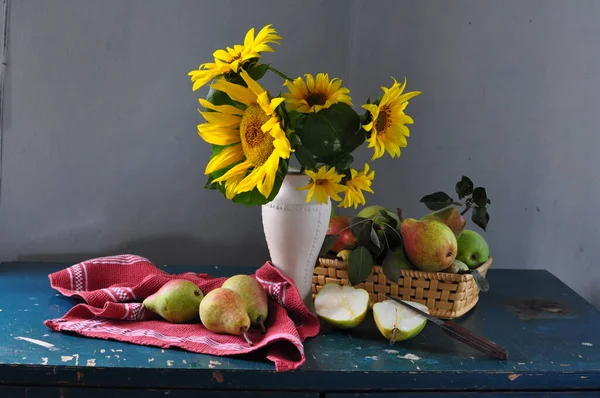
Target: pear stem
394, 336
250, 343
260, 322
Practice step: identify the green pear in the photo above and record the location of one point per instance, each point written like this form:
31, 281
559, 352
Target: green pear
457, 267
177, 301
254, 295
429, 244
473, 250
451, 217
223, 311
398, 256
398, 323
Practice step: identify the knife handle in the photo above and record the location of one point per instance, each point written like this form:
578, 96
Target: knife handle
479, 343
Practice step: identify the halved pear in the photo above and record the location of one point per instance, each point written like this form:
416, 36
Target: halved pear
344, 307
396, 322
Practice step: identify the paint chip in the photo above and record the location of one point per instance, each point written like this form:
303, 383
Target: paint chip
585, 343
35, 304
374, 357
359, 348
150, 360
521, 363
91, 362
24, 358
184, 361
392, 351
112, 350
514, 376
66, 358
117, 356
119, 350
410, 356
108, 357
218, 376
170, 362
102, 351
37, 342
163, 351
44, 361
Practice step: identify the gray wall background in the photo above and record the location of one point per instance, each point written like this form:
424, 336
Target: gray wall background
100, 153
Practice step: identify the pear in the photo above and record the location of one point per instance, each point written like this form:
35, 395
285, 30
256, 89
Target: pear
396, 322
254, 295
429, 244
223, 311
473, 250
457, 267
451, 217
397, 257
344, 307
177, 301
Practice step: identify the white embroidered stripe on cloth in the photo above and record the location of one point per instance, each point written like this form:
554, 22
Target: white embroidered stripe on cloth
96, 326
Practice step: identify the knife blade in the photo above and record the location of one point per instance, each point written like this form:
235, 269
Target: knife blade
460, 333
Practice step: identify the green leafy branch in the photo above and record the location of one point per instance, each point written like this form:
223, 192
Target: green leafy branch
475, 199
376, 237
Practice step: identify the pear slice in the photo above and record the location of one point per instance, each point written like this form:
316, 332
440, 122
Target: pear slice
344, 307
396, 322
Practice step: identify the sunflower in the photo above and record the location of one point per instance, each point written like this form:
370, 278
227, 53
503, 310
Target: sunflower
253, 139
324, 185
315, 94
358, 182
388, 121
230, 59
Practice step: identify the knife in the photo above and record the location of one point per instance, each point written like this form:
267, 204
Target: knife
461, 334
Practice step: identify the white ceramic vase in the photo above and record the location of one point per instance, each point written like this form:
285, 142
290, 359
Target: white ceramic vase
295, 230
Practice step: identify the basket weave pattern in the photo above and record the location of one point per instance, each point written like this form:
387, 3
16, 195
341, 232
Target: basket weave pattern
446, 295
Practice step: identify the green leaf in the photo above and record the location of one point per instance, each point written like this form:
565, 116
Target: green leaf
437, 200
389, 220
361, 228
375, 238
303, 154
391, 268
480, 280
360, 265
327, 132
464, 187
480, 217
258, 71
355, 141
341, 161
480, 197
328, 244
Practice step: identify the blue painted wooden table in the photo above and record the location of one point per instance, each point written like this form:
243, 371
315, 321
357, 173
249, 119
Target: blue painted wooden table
552, 334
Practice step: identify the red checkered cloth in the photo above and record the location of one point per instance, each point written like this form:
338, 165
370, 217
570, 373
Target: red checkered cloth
114, 288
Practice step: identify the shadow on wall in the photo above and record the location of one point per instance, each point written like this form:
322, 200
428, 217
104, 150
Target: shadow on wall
171, 250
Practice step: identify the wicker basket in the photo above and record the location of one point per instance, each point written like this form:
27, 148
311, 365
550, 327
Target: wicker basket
446, 295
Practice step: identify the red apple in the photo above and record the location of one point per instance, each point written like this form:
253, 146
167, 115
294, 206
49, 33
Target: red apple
340, 225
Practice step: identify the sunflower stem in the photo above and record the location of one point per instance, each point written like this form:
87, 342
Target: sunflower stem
278, 73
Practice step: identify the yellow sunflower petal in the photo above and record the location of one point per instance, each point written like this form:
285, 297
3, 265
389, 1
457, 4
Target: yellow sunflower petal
227, 157
235, 91
218, 135
265, 186
231, 110
222, 119
252, 84
237, 170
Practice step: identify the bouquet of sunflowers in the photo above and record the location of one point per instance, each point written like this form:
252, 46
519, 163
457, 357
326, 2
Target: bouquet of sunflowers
254, 133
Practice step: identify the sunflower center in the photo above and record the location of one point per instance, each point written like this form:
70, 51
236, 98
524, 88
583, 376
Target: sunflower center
316, 99
256, 144
383, 120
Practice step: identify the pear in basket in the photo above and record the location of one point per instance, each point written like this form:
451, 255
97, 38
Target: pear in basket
429, 244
